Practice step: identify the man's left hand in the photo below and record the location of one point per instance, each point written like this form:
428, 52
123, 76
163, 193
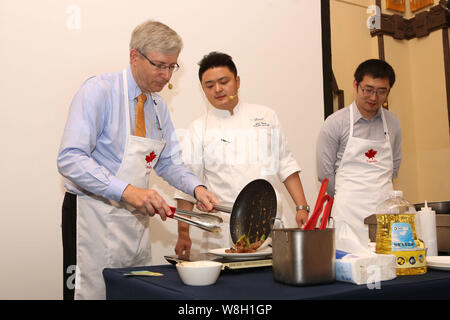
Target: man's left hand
205, 199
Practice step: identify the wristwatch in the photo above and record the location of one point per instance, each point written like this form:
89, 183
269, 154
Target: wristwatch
301, 207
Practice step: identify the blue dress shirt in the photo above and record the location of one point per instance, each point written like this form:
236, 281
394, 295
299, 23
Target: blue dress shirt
94, 138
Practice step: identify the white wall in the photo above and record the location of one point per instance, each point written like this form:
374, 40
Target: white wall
47, 50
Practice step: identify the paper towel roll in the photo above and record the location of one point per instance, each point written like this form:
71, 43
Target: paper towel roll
427, 221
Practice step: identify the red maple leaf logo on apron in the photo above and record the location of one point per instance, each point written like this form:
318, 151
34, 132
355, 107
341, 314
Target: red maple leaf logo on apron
150, 157
370, 154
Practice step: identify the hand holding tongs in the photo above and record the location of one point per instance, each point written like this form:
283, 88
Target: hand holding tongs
311, 224
207, 222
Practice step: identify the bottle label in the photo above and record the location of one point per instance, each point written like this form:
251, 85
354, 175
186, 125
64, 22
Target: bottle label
410, 259
402, 237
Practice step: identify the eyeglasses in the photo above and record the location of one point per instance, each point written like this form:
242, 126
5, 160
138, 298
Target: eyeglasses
368, 92
161, 66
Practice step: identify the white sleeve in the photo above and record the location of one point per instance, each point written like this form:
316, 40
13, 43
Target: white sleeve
191, 143
287, 163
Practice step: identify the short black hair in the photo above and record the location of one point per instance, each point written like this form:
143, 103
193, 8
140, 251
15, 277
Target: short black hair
216, 59
375, 68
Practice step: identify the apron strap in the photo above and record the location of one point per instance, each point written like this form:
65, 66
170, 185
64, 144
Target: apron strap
155, 106
386, 131
126, 100
351, 121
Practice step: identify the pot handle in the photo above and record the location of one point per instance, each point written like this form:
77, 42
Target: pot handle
282, 228
273, 224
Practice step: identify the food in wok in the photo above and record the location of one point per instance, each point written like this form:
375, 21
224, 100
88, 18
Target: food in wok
243, 245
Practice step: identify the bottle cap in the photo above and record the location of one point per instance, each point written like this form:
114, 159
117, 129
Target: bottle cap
396, 193
426, 208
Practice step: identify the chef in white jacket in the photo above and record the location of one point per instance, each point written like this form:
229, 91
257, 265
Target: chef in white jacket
233, 144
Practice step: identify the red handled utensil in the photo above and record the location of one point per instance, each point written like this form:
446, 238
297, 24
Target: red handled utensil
322, 191
312, 222
326, 212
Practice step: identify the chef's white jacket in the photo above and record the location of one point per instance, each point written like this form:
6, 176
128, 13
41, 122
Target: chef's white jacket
229, 151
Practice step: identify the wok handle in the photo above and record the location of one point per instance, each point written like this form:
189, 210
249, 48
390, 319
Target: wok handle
221, 208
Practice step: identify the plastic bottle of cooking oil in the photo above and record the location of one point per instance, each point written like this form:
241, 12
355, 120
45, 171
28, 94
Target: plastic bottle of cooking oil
396, 234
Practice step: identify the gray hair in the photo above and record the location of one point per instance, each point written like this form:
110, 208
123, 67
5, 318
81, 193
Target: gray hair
154, 35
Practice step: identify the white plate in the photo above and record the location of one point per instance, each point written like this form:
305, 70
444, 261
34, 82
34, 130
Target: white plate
439, 262
258, 254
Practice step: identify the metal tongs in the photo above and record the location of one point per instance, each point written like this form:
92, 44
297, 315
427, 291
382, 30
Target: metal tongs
207, 222
312, 222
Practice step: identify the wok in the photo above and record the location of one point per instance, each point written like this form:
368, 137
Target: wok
442, 207
253, 212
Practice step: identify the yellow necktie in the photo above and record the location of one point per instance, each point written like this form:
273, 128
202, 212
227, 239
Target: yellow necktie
139, 118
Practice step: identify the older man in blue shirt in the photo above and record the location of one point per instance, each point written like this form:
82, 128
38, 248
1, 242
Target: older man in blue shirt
119, 130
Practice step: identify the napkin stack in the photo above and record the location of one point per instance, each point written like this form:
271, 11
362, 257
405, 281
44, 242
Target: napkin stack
367, 269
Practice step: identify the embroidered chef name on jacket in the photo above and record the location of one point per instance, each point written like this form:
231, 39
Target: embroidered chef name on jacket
259, 122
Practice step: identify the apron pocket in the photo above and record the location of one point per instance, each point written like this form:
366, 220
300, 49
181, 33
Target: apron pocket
128, 239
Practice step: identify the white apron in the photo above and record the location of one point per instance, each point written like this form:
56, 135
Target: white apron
108, 234
363, 179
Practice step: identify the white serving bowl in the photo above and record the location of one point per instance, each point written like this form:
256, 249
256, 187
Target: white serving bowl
199, 273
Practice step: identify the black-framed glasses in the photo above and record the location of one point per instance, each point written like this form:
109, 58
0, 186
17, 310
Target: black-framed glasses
160, 66
368, 92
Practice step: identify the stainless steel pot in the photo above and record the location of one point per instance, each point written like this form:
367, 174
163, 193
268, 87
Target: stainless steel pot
303, 257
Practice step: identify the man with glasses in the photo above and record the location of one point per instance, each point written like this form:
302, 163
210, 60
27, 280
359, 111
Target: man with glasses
233, 144
118, 131
359, 152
